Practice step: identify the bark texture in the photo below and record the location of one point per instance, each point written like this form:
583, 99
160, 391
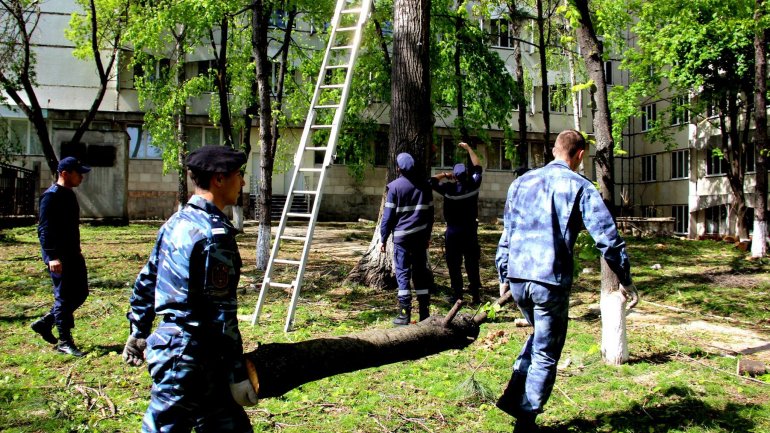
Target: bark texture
759, 244
281, 367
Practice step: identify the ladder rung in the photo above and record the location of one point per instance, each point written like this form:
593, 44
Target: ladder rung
282, 285
321, 126
351, 11
347, 29
311, 170
299, 215
287, 262
346, 65
333, 86
293, 238
305, 192
343, 47
316, 148
328, 106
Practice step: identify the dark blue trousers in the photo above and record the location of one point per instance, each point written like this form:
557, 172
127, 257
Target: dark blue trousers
463, 243
70, 290
410, 261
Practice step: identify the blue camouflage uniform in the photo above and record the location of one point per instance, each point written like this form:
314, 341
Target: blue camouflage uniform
461, 210
190, 281
544, 212
59, 233
408, 216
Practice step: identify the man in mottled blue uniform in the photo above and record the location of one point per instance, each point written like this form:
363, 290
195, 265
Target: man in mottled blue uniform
460, 190
408, 215
195, 356
59, 233
544, 212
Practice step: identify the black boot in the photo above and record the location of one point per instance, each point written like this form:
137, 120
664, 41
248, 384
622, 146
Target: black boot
509, 401
525, 423
424, 302
66, 345
404, 315
475, 298
43, 327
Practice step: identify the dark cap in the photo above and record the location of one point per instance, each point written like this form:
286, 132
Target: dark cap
216, 159
459, 170
404, 161
71, 163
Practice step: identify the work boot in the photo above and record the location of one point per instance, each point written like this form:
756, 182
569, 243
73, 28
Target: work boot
509, 401
475, 298
43, 327
525, 423
404, 316
424, 303
68, 347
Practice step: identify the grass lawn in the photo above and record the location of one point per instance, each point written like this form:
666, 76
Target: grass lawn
702, 311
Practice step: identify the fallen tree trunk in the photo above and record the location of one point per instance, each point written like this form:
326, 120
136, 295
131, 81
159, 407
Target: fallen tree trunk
276, 368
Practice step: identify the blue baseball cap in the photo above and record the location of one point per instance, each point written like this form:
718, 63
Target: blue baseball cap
71, 163
216, 159
404, 161
459, 170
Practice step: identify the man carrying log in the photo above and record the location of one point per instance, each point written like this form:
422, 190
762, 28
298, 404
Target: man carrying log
544, 212
195, 356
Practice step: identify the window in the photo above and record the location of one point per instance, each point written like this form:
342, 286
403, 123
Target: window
443, 153
500, 35
749, 158
381, 149
680, 115
716, 218
198, 136
279, 19
157, 69
608, 73
716, 164
649, 168
680, 164
559, 95
681, 214
20, 136
496, 159
649, 114
140, 144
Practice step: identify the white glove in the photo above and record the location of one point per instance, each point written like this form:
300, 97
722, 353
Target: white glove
243, 393
133, 352
504, 288
631, 295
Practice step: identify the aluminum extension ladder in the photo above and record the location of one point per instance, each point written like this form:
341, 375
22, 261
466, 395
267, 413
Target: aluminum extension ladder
327, 110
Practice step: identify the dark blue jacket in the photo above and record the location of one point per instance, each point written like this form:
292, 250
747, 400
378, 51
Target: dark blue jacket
408, 213
59, 224
461, 199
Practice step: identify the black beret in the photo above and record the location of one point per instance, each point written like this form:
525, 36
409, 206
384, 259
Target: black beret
216, 159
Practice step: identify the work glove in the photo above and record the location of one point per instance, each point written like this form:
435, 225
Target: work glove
631, 295
504, 288
133, 352
243, 393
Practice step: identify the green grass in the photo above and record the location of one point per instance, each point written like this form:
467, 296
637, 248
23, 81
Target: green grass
676, 380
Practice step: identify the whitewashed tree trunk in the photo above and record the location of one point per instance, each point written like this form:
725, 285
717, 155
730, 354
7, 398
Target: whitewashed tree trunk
759, 243
238, 217
263, 245
614, 342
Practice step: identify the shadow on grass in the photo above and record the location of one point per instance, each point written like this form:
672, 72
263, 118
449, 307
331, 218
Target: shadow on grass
679, 410
652, 358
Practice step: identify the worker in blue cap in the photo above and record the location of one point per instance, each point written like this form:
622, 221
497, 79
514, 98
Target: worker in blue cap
195, 355
460, 190
59, 232
408, 216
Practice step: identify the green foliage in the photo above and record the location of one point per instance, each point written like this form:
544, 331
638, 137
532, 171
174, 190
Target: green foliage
584, 251
111, 17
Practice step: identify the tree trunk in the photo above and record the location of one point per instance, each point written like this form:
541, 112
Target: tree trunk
735, 175
614, 342
759, 243
281, 367
518, 75
260, 21
411, 125
460, 120
179, 119
545, 100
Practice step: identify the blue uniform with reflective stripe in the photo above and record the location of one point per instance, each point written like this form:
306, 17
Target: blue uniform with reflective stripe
461, 240
544, 212
190, 281
408, 216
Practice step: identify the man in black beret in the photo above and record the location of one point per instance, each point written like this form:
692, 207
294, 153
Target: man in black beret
195, 356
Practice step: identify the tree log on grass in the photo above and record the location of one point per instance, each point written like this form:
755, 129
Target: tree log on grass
276, 368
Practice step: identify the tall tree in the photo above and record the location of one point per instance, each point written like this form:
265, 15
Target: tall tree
759, 245
411, 125
614, 341
99, 29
